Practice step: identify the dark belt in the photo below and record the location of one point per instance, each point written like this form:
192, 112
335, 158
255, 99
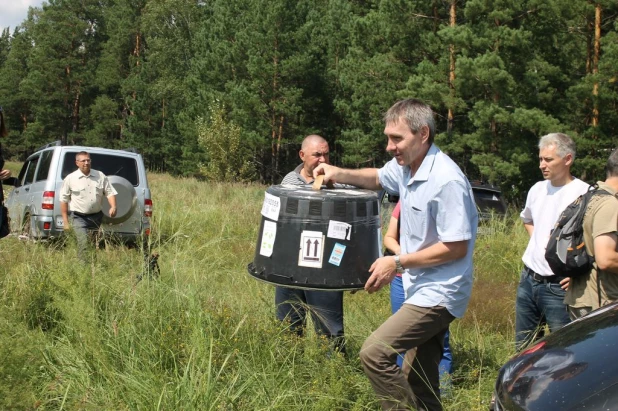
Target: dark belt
86, 215
553, 279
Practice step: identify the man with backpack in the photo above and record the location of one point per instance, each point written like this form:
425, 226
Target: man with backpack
600, 285
541, 292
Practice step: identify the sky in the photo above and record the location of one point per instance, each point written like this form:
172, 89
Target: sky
13, 12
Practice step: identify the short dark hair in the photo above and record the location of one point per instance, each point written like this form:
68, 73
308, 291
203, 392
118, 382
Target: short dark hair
415, 113
82, 153
612, 164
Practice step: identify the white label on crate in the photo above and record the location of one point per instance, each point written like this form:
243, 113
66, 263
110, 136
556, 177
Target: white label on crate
337, 254
268, 238
339, 230
311, 249
271, 206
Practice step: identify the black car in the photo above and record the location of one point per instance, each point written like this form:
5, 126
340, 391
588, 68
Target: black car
574, 368
489, 200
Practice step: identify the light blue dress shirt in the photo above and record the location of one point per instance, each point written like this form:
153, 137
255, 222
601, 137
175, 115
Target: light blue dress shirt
437, 205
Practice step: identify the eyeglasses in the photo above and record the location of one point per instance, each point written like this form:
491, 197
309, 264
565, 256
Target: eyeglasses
84, 161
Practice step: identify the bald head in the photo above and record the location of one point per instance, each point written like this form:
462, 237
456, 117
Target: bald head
312, 140
313, 152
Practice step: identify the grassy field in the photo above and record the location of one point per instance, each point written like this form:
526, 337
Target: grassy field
203, 336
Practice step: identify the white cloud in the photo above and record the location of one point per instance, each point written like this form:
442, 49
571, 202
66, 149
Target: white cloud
14, 12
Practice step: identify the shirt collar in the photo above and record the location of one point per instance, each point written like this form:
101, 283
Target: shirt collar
606, 187
298, 169
422, 174
82, 175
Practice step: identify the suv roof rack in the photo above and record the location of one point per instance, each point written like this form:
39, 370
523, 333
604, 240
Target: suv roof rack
52, 144
130, 150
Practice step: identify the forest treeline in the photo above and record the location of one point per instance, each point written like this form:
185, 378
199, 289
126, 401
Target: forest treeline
226, 89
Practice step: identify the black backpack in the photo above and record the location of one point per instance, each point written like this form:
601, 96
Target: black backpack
566, 249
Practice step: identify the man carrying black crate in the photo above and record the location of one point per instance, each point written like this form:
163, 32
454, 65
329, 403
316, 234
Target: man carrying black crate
325, 307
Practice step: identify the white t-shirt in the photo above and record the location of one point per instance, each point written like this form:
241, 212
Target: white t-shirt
543, 207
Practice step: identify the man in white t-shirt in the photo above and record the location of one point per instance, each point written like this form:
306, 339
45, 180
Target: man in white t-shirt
540, 294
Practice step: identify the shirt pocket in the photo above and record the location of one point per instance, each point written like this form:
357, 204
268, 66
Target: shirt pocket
99, 190
77, 192
416, 221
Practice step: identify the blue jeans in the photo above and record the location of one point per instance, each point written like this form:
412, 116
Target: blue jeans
325, 307
538, 303
397, 299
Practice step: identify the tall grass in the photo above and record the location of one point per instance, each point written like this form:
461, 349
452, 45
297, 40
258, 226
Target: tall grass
203, 335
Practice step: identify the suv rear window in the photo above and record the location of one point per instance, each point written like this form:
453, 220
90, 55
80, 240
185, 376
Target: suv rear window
109, 165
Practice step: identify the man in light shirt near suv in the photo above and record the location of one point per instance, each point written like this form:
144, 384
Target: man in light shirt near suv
81, 196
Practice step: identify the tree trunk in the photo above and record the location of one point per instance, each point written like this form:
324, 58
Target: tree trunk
136, 55
589, 42
595, 66
279, 137
67, 105
451, 71
137, 47
75, 114
496, 99
273, 119
163, 113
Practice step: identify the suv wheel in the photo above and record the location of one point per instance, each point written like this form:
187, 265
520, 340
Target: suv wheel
26, 228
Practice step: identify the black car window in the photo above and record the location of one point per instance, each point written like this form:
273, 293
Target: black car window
110, 165
44, 165
22, 172
489, 201
29, 177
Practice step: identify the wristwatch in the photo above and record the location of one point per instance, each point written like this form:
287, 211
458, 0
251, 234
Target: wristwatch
400, 269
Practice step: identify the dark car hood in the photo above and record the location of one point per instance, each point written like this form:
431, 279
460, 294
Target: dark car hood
573, 368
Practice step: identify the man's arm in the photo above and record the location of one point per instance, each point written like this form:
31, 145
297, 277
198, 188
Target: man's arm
112, 205
65, 197
383, 270
363, 178
529, 228
605, 253
64, 209
110, 193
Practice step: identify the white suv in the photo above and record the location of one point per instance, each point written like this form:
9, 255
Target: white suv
34, 204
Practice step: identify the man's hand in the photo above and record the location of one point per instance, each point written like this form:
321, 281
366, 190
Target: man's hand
4, 174
362, 178
65, 224
564, 283
383, 270
112, 205
327, 170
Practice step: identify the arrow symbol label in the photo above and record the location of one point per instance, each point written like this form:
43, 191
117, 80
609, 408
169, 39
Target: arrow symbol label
311, 249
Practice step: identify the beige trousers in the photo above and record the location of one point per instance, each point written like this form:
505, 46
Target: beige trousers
419, 331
